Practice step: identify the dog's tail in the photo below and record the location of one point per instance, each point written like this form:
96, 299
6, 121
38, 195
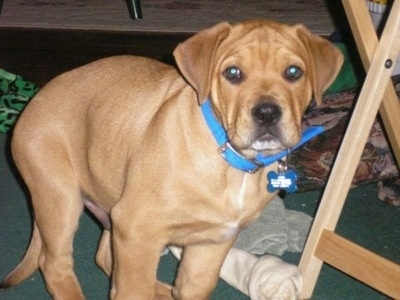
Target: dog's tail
28, 264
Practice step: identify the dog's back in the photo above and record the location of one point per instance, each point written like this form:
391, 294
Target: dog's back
83, 110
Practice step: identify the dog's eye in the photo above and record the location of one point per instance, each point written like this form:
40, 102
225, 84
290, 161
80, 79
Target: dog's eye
293, 73
233, 75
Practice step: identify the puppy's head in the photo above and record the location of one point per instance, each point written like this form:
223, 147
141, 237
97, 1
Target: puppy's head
260, 76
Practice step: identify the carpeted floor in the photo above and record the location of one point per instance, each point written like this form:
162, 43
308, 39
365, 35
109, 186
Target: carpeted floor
365, 219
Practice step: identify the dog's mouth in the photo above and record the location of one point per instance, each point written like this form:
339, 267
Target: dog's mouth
266, 142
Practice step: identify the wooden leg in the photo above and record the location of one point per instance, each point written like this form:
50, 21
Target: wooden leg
367, 41
352, 146
350, 258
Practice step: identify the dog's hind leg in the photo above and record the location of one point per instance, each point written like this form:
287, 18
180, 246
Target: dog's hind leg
57, 205
103, 255
57, 211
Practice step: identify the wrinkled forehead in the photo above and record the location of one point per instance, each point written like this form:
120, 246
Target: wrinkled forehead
264, 43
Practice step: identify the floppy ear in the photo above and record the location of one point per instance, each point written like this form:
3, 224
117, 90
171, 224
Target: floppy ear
195, 57
326, 61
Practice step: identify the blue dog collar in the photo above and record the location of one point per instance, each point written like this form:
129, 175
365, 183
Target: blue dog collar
234, 158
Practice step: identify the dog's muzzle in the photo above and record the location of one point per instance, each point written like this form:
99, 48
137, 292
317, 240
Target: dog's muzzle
266, 116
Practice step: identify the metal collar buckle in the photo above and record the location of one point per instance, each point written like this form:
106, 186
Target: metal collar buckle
228, 152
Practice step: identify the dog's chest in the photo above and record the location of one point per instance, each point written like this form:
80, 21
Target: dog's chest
248, 198
241, 203
246, 194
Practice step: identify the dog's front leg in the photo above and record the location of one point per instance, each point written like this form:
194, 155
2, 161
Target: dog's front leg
136, 251
199, 270
267, 277
104, 261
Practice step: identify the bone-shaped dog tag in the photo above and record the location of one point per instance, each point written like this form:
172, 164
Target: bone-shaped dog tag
284, 179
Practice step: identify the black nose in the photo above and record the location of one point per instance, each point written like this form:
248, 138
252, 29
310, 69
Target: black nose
267, 113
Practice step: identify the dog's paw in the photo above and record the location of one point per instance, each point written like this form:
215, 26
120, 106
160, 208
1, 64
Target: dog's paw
271, 278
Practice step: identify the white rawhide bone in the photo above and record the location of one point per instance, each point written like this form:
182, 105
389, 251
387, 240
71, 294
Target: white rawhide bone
267, 277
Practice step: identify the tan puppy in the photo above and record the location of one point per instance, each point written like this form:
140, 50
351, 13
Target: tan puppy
125, 137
